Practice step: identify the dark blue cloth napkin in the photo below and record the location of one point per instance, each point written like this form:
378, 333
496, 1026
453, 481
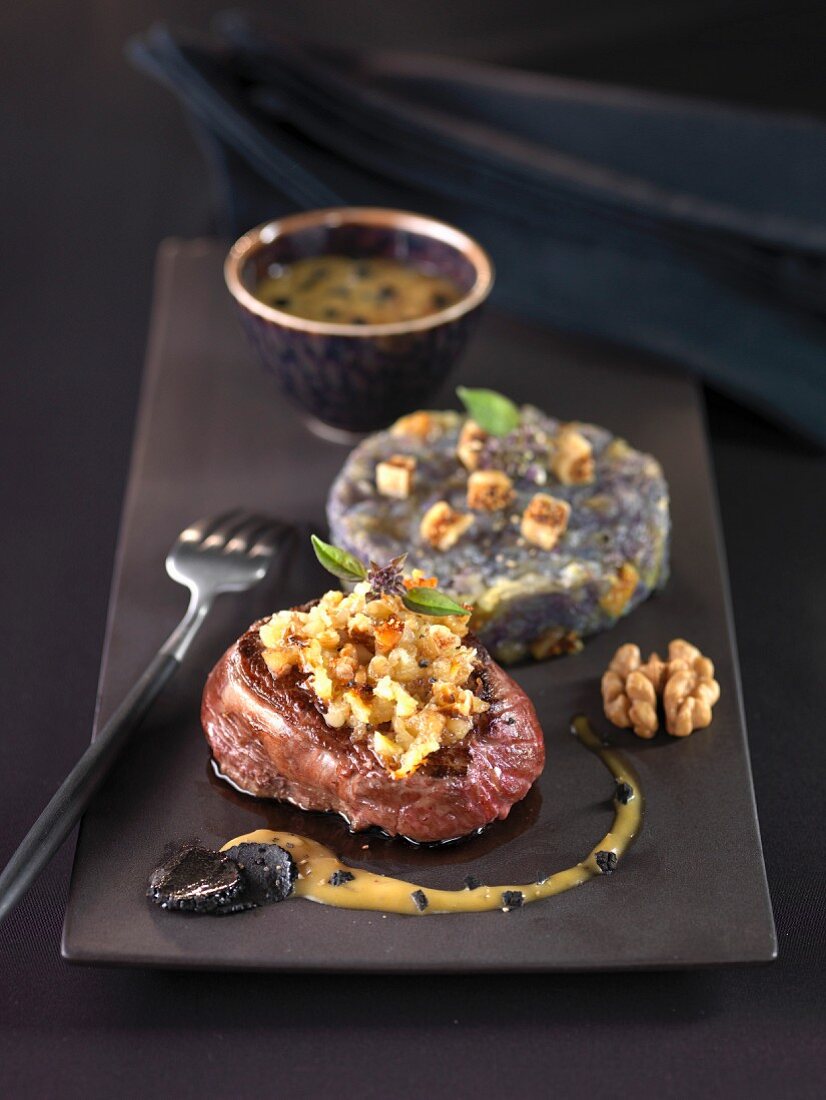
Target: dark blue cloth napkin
694, 231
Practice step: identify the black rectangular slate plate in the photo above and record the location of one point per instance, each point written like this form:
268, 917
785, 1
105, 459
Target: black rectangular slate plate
214, 433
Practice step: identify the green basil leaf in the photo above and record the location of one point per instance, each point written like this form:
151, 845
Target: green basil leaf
492, 411
337, 561
430, 601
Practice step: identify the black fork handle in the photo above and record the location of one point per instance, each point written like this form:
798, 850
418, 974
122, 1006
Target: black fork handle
74, 794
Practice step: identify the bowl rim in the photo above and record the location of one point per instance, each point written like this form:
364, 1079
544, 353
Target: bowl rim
255, 239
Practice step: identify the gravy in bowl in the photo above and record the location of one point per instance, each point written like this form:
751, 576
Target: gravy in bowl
345, 291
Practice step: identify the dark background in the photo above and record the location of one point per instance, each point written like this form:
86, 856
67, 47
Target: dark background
97, 167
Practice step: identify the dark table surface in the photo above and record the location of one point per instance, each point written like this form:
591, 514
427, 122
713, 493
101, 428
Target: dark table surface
98, 167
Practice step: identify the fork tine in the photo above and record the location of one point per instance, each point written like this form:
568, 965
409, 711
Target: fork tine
194, 532
277, 537
275, 540
244, 536
224, 531
201, 529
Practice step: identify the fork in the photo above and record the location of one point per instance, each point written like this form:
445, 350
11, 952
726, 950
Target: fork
229, 553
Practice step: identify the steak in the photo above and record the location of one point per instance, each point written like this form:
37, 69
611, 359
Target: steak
269, 737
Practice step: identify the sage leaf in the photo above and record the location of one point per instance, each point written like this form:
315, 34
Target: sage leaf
430, 601
338, 561
492, 411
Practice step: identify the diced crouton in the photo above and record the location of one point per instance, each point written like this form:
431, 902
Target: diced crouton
394, 476
545, 520
417, 424
489, 490
471, 441
442, 526
573, 458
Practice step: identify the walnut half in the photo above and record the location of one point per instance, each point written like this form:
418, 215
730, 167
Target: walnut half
690, 689
629, 690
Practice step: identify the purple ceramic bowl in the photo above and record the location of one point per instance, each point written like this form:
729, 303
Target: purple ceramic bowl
356, 378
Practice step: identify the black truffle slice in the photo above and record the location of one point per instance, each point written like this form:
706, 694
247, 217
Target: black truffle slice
512, 899
338, 878
607, 862
624, 793
420, 900
267, 870
472, 882
196, 879
238, 905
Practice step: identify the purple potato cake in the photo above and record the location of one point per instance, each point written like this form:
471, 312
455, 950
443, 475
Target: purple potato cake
553, 531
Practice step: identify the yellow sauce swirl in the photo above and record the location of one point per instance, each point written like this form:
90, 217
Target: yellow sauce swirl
368, 890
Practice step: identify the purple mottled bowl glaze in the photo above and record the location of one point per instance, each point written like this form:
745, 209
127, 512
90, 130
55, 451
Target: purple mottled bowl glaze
356, 378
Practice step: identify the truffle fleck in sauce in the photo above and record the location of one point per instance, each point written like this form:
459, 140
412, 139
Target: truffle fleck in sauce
345, 291
324, 878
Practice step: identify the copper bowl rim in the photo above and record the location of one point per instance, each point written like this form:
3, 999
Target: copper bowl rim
261, 235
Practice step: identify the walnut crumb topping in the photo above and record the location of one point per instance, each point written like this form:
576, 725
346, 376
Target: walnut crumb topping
399, 681
489, 490
545, 520
573, 457
394, 476
442, 526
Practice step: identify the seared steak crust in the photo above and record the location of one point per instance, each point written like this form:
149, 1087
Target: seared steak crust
269, 737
